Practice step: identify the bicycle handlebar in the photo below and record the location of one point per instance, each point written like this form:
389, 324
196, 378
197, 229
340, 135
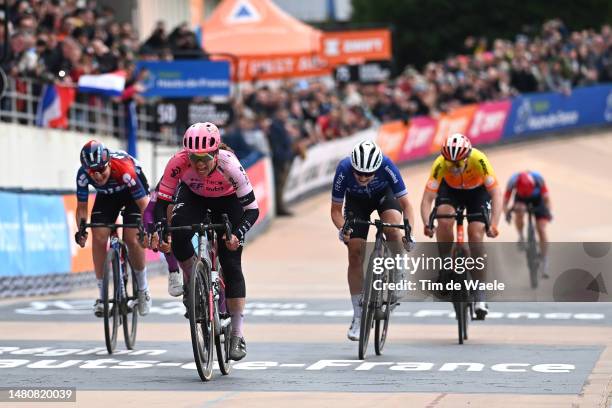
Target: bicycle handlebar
113, 227
162, 227
459, 216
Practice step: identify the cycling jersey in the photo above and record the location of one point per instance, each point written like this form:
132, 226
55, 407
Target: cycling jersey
126, 174
387, 175
477, 171
539, 190
227, 178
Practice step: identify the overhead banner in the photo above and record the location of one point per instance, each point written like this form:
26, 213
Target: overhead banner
355, 47
368, 72
536, 113
186, 78
278, 67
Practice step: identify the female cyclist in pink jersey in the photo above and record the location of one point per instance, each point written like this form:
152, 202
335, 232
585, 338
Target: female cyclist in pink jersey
205, 174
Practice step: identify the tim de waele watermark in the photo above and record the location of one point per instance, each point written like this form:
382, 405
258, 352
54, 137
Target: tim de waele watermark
412, 264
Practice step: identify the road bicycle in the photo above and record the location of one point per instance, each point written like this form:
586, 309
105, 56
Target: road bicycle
531, 246
119, 287
209, 321
463, 302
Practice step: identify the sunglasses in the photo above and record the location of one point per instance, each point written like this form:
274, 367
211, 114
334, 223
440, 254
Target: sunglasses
457, 164
91, 171
204, 157
362, 174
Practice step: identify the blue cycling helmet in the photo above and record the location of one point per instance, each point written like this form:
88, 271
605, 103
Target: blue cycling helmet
94, 155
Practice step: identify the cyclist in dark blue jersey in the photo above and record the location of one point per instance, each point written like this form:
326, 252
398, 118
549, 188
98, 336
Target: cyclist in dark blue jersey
364, 182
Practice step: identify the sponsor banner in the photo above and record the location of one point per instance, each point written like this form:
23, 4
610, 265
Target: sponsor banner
535, 113
45, 234
11, 248
186, 78
456, 121
260, 175
277, 67
354, 47
488, 122
368, 72
419, 136
391, 138
182, 112
318, 168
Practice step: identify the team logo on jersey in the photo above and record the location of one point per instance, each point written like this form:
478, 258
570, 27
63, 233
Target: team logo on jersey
175, 172
82, 181
127, 179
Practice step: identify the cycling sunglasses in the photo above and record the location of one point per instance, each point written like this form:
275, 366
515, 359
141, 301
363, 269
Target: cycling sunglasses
362, 174
99, 170
204, 156
458, 164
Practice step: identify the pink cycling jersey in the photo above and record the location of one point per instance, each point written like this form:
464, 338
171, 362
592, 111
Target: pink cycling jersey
227, 178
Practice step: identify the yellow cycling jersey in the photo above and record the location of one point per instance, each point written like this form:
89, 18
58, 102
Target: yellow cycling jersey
475, 172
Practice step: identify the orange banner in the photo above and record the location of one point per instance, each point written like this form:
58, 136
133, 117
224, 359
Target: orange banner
81, 257
457, 120
391, 138
277, 67
353, 47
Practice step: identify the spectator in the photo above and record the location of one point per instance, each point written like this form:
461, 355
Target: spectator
282, 156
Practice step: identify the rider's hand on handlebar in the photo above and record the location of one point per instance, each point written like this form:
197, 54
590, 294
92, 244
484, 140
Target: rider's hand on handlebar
80, 238
344, 235
233, 243
492, 232
428, 232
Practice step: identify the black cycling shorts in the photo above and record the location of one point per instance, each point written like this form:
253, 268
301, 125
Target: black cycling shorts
190, 208
472, 200
106, 208
362, 208
539, 209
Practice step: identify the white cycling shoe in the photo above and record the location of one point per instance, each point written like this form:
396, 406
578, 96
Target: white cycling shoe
353, 331
144, 302
98, 308
481, 310
175, 283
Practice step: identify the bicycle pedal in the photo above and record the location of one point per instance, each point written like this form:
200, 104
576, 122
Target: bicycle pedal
480, 315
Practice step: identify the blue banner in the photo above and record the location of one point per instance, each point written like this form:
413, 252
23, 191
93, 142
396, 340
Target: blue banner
11, 251
46, 247
545, 112
180, 79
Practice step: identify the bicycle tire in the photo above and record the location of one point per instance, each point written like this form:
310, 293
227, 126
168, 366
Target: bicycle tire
367, 307
467, 319
381, 326
532, 256
111, 311
130, 323
223, 349
200, 324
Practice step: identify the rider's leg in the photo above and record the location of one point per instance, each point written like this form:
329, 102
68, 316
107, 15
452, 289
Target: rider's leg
188, 210
541, 224
99, 245
356, 252
444, 231
519, 220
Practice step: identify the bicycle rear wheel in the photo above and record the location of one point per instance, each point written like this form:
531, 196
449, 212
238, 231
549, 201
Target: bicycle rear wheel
201, 322
129, 304
381, 326
110, 289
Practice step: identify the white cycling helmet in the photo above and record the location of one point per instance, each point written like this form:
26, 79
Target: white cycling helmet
366, 157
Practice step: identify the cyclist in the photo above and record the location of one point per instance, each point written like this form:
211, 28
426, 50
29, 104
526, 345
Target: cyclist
364, 182
529, 188
175, 279
462, 176
210, 177
120, 184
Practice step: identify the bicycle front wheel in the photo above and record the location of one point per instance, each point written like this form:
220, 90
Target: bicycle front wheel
367, 306
201, 321
532, 257
381, 326
129, 304
110, 290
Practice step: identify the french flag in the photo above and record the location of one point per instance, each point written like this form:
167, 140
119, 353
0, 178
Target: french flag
54, 105
110, 84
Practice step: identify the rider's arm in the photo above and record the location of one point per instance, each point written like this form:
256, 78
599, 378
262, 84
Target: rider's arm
81, 212
508, 192
426, 203
336, 214
142, 203
82, 193
244, 191
431, 188
496, 205
408, 211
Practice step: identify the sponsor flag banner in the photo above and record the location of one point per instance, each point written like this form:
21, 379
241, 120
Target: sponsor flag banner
544, 112
391, 138
54, 106
355, 47
488, 122
419, 136
455, 121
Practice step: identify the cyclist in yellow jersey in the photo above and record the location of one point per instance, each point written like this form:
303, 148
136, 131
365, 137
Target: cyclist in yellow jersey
462, 176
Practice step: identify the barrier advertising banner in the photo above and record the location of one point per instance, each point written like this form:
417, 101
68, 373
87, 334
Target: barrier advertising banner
11, 249
455, 121
536, 113
488, 122
81, 260
260, 175
187, 78
391, 138
419, 137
